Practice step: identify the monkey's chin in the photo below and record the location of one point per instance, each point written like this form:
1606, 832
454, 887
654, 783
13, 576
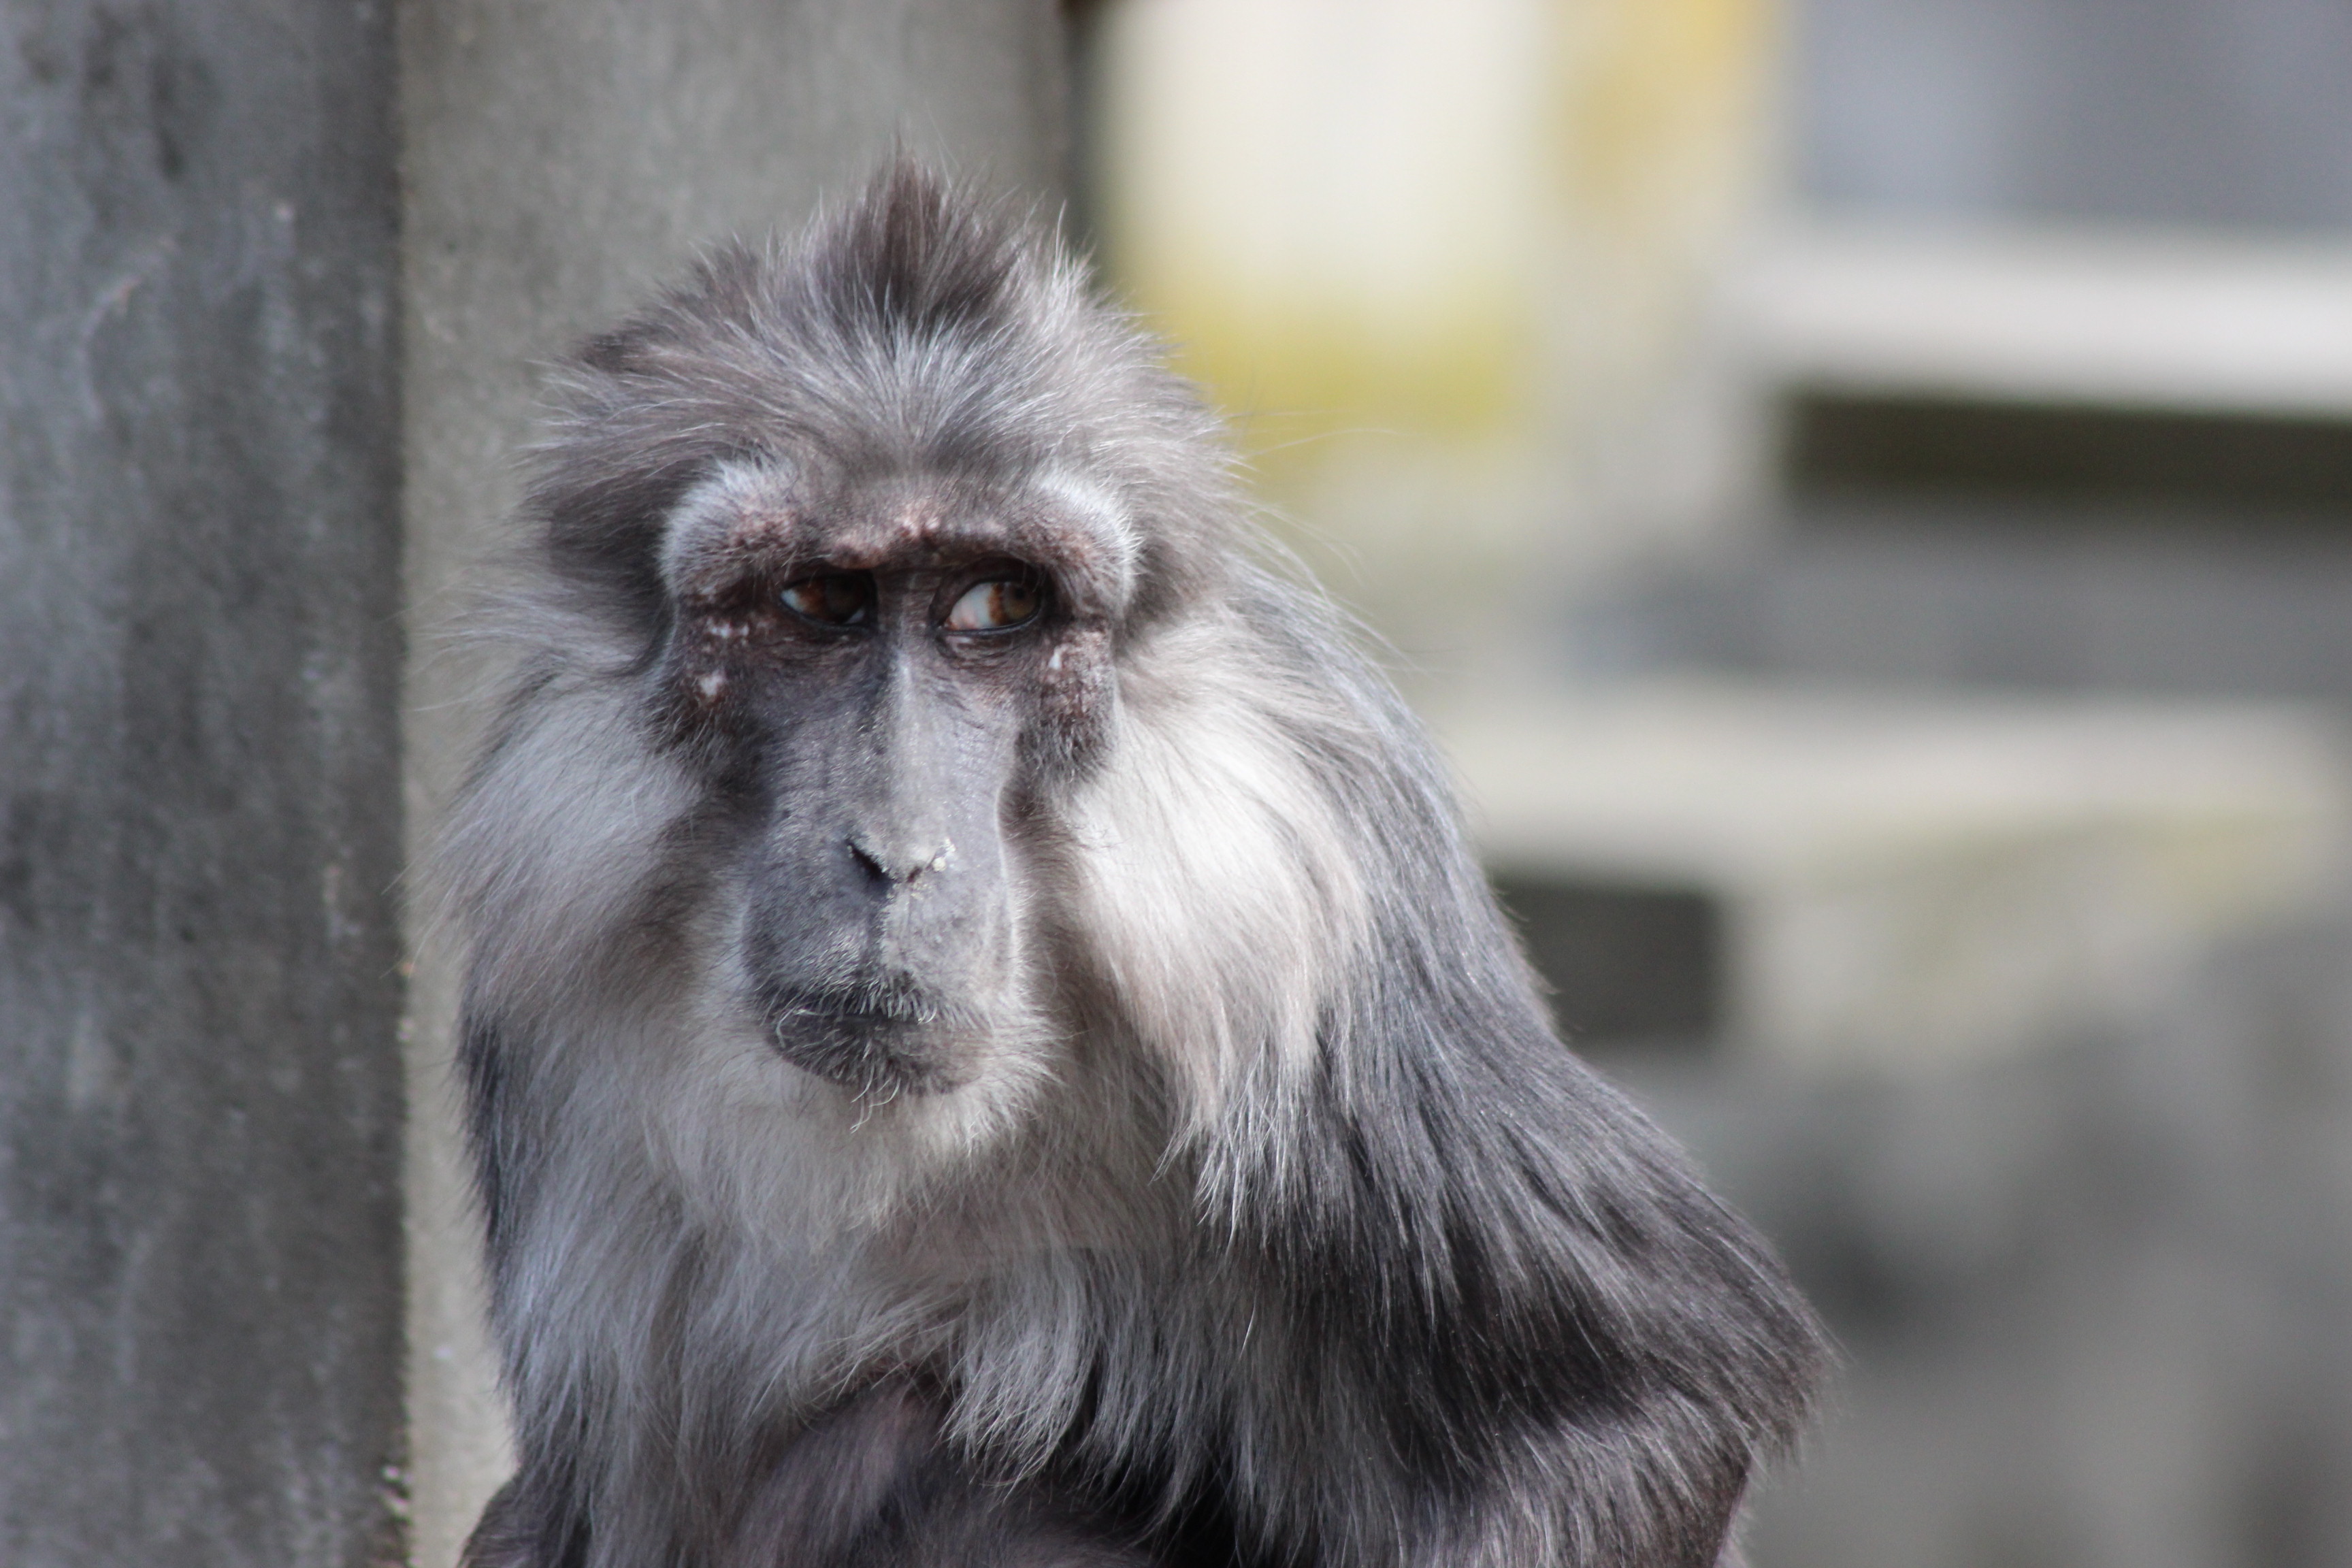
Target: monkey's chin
875, 1052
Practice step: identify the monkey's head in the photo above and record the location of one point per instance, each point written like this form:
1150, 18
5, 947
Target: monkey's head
850, 536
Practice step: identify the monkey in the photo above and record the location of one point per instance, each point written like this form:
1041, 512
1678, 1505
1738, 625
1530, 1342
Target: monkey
985, 1042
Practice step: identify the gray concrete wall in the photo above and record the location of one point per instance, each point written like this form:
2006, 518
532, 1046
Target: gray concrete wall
561, 156
215, 276
199, 810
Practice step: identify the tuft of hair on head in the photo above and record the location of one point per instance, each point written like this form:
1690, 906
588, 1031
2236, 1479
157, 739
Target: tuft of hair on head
916, 257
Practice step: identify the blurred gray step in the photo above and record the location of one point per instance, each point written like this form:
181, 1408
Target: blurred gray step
1856, 878
2035, 457
1906, 591
2066, 317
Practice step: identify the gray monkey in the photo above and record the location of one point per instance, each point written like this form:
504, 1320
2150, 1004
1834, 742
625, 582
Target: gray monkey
984, 1043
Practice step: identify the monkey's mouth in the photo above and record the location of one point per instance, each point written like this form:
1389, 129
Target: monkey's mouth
878, 1039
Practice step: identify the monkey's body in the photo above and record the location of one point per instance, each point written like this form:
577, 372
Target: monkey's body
985, 1043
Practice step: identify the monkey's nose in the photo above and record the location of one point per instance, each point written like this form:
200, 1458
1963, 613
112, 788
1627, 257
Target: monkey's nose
900, 861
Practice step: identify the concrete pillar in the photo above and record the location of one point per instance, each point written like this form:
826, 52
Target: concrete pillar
231, 233
560, 157
200, 829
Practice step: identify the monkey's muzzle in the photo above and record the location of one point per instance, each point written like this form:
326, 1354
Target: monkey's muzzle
877, 1039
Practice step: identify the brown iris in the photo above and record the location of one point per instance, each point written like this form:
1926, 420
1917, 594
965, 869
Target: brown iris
998, 605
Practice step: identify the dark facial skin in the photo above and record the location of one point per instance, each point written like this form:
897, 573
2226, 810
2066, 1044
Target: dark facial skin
872, 697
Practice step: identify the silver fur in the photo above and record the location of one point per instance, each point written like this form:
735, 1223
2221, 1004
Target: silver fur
1263, 1219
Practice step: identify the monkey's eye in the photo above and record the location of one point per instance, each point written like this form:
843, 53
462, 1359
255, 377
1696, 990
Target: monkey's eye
831, 598
998, 605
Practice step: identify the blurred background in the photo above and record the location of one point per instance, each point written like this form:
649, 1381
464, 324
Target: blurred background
1862, 488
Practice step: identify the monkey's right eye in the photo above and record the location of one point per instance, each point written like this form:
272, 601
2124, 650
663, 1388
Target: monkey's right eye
831, 598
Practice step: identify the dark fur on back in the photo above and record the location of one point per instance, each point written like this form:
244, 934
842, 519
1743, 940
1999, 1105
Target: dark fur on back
1279, 1229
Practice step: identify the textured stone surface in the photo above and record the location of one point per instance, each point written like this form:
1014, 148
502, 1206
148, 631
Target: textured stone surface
201, 575
199, 804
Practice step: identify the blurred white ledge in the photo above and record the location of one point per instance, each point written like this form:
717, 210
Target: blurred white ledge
1907, 881
2107, 319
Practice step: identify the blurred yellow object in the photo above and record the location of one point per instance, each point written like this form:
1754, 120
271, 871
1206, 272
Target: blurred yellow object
1439, 256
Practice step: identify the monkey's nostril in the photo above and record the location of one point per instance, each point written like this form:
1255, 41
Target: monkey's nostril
870, 862
895, 864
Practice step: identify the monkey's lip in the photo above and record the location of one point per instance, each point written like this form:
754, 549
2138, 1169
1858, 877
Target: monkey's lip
890, 1038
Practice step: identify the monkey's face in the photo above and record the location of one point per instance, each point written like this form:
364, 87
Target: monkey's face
880, 674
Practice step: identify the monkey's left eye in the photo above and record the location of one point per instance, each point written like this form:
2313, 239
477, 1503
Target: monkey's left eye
833, 599
997, 605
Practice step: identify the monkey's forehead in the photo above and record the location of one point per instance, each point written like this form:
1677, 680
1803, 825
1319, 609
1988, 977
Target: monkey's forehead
764, 516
